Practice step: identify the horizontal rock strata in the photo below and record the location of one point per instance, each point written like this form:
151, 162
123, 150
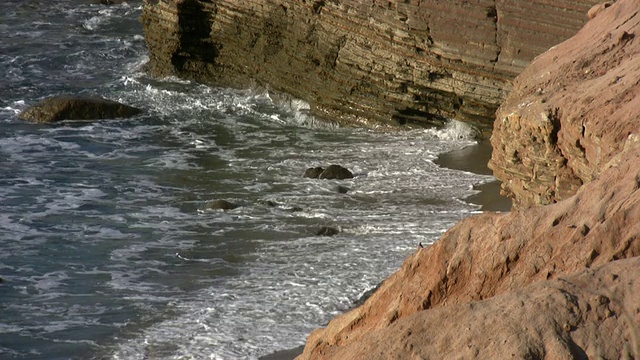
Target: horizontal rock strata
571, 111
362, 62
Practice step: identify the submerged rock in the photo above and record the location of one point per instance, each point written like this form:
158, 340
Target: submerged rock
221, 205
336, 172
60, 108
327, 231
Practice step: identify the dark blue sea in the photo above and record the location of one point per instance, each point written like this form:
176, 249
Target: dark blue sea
108, 249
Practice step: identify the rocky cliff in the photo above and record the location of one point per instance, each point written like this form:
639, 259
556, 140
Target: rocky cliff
356, 61
554, 281
571, 112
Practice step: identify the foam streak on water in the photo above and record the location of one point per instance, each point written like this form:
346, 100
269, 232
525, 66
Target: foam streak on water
108, 247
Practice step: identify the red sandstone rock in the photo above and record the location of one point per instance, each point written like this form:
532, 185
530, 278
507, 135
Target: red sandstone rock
362, 61
591, 314
597, 9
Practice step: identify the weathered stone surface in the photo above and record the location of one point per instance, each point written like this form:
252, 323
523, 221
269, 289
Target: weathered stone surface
592, 314
571, 111
362, 62
77, 108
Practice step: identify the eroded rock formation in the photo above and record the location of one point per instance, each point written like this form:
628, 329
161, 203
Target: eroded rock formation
541, 281
571, 111
356, 61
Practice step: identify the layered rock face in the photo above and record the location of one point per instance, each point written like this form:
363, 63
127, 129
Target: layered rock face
357, 61
554, 281
571, 111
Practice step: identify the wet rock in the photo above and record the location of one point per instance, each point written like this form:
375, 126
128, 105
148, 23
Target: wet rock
60, 108
342, 189
222, 205
327, 231
313, 172
336, 172
284, 207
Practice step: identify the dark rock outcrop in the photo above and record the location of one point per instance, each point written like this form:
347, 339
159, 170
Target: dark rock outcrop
313, 172
342, 189
362, 62
336, 172
60, 108
327, 231
554, 281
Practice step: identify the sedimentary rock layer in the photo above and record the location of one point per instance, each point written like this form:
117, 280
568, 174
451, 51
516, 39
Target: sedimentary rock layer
571, 111
555, 268
356, 61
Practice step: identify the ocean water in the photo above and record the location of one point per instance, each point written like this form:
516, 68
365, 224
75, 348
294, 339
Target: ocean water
108, 249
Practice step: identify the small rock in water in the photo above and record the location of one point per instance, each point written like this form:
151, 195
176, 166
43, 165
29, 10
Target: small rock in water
314, 172
336, 172
342, 189
221, 205
60, 108
327, 231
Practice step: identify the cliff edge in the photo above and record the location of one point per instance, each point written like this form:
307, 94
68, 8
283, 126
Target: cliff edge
553, 281
362, 62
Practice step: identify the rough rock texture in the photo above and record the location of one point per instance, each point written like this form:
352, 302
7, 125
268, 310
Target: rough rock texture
362, 61
539, 282
571, 110
60, 108
589, 315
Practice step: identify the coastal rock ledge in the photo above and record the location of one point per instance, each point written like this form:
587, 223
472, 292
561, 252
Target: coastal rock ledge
362, 62
557, 281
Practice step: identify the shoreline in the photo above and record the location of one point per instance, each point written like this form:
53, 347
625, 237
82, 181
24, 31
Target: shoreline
473, 159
